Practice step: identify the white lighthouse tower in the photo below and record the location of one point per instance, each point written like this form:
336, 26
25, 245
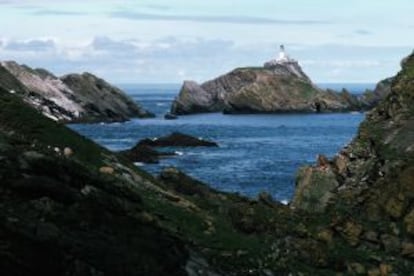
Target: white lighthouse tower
283, 57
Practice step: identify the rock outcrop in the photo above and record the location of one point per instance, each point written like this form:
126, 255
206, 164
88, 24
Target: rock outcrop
100, 99
145, 154
85, 211
177, 139
383, 148
372, 98
274, 88
72, 98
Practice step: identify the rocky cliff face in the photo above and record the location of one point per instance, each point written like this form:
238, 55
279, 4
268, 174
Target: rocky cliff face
274, 88
383, 147
369, 185
70, 98
71, 207
382, 89
100, 99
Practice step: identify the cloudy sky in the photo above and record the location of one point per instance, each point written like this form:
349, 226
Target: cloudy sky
166, 41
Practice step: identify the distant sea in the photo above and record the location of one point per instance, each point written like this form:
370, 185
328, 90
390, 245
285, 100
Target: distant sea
256, 152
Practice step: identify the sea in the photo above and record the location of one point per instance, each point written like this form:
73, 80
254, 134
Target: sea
256, 153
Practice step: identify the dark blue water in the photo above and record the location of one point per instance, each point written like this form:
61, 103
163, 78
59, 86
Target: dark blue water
257, 152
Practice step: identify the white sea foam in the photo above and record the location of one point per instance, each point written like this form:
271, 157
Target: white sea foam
179, 153
284, 201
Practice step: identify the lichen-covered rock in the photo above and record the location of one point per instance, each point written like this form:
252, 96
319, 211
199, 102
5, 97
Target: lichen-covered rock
280, 88
101, 100
314, 188
376, 169
409, 222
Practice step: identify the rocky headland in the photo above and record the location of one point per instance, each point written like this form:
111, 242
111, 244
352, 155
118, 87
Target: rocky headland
71, 207
71, 98
280, 86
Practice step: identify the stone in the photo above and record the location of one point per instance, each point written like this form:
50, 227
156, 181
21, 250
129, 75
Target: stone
371, 236
326, 236
409, 222
407, 249
391, 243
395, 206
322, 161
356, 268
266, 198
106, 170
385, 269
351, 232
67, 152
340, 162
374, 272
314, 189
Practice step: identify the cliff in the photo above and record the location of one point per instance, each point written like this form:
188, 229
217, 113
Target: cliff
382, 149
274, 88
72, 98
369, 184
71, 207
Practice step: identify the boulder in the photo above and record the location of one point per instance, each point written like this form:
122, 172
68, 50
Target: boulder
315, 187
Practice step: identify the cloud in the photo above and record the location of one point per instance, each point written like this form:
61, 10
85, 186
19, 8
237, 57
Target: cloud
35, 45
103, 43
158, 7
362, 32
213, 19
172, 59
49, 12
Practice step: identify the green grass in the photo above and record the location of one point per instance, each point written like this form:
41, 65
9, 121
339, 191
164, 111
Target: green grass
29, 124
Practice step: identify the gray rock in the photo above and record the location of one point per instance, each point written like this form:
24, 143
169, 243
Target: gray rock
71, 98
274, 88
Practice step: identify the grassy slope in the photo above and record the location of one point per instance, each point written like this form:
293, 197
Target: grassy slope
234, 234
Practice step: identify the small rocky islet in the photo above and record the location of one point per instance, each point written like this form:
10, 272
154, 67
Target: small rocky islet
144, 151
279, 86
71, 207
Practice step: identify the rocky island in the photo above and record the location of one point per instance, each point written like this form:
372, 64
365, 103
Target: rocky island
71, 98
71, 207
280, 86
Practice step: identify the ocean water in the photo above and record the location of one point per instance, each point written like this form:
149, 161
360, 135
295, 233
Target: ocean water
256, 152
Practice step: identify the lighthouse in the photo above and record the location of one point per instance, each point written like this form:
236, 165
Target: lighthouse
283, 57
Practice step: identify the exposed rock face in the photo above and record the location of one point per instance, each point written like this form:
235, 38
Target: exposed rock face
100, 99
71, 98
377, 168
93, 213
59, 216
274, 88
372, 98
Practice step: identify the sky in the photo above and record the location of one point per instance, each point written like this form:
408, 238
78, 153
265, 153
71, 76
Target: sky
168, 41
